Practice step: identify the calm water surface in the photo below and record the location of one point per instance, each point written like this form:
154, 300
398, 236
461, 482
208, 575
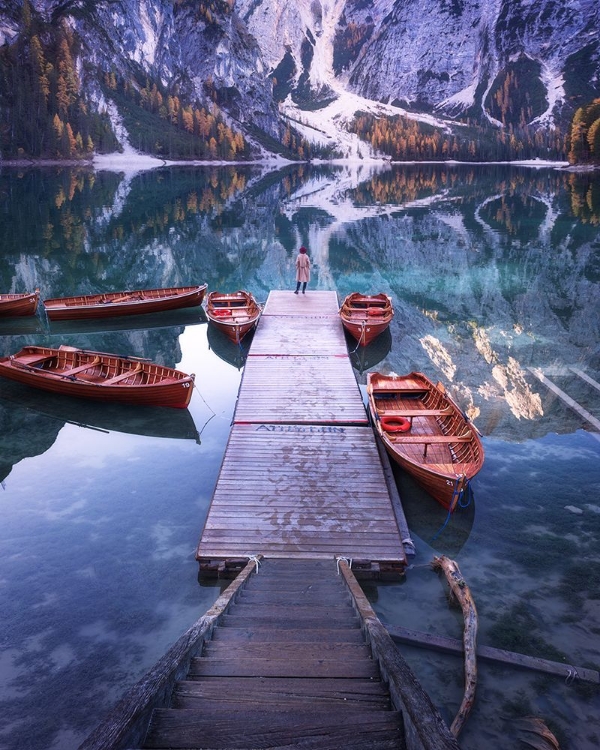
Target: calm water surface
494, 273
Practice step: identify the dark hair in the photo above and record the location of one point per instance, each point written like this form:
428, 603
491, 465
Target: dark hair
303, 249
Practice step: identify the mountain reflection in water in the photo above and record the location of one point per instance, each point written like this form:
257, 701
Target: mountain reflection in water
492, 270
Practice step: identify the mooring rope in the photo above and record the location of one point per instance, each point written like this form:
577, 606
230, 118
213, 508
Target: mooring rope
572, 675
347, 560
255, 559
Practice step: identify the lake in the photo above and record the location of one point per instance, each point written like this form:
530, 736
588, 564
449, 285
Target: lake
494, 272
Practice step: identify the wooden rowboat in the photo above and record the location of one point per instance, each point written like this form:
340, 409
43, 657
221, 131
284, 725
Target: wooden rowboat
19, 304
105, 377
426, 433
366, 316
234, 314
132, 302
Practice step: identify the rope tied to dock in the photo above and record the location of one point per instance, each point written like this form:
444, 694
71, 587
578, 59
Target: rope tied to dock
572, 675
255, 559
347, 560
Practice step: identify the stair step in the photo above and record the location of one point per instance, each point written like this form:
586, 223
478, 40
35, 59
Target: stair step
284, 667
238, 691
260, 728
265, 649
310, 596
306, 609
284, 622
240, 635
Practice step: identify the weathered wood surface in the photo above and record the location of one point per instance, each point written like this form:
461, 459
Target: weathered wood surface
298, 490
286, 335
423, 725
298, 389
254, 687
301, 476
488, 653
311, 304
462, 594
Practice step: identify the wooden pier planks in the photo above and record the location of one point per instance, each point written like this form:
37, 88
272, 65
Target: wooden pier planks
301, 476
301, 491
317, 390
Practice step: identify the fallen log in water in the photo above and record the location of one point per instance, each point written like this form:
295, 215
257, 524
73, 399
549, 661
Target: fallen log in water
462, 593
488, 653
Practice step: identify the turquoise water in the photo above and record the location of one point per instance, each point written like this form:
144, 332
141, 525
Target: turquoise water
494, 272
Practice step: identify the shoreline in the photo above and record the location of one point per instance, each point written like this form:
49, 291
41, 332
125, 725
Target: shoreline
139, 162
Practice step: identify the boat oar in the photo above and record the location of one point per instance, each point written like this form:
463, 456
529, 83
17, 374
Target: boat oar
104, 354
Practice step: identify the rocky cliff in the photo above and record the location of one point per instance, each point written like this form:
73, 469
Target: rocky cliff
506, 62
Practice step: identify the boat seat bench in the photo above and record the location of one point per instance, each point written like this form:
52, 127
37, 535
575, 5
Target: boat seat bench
81, 368
122, 376
416, 412
416, 439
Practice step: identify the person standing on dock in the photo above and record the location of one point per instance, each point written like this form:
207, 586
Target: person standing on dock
302, 270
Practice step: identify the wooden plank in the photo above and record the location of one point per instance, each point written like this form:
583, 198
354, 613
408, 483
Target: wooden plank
261, 621
287, 667
488, 653
257, 634
300, 390
294, 650
189, 728
316, 336
313, 303
571, 403
277, 692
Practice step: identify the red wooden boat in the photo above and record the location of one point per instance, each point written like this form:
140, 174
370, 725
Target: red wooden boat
234, 314
19, 304
366, 316
106, 377
134, 302
426, 433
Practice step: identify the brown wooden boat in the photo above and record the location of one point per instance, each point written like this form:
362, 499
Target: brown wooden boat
134, 302
366, 316
426, 433
234, 314
106, 377
19, 304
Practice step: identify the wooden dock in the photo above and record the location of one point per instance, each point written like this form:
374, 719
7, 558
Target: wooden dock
291, 655
301, 476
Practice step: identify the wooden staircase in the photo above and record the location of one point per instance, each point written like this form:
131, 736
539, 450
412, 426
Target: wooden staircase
287, 667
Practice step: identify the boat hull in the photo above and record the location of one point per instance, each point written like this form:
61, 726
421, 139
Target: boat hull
19, 304
426, 434
366, 317
94, 375
113, 304
235, 314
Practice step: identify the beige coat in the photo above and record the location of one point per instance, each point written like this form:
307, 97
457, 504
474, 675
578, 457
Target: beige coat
302, 267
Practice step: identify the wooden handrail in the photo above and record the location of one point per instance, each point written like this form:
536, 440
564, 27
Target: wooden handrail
424, 726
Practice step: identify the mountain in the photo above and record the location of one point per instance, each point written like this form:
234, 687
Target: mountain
275, 70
